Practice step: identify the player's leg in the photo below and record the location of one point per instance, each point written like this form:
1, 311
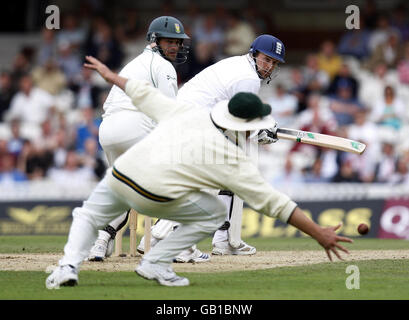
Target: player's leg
160, 230
118, 132
100, 208
220, 242
199, 214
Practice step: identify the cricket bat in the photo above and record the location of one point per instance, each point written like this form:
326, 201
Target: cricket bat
322, 140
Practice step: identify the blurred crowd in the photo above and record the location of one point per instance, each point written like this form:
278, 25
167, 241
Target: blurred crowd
356, 87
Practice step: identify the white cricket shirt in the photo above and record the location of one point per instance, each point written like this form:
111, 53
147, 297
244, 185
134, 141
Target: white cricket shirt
221, 81
186, 153
149, 66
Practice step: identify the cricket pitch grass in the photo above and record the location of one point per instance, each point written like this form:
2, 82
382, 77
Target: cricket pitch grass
282, 269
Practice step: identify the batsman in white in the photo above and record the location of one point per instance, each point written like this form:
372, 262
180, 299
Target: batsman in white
123, 124
149, 178
221, 81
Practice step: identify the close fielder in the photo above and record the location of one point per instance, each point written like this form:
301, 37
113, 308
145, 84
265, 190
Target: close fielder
147, 178
221, 81
124, 125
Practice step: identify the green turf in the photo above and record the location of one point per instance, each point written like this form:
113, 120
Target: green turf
380, 279
39, 244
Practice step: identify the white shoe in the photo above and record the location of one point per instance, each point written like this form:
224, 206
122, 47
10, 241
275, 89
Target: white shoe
65, 275
224, 248
103, 247
98, 251
192, 255
141, 247
163, 274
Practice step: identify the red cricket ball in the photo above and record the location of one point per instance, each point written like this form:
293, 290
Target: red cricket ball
363, 228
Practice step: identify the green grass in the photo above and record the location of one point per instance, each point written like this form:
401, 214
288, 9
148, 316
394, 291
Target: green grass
379, 279
55, 244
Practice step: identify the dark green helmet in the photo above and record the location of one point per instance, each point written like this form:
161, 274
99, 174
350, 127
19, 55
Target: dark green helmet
166, 27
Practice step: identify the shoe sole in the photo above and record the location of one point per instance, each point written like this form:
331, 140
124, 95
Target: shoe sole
96, 259
69, 283
160, 281
240, 253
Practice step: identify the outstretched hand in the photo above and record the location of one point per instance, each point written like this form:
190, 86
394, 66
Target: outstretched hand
105, 72
328, 239
98, 66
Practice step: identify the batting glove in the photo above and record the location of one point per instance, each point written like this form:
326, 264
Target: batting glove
267, 136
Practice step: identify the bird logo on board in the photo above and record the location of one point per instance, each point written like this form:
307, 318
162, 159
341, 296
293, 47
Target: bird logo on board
177, 27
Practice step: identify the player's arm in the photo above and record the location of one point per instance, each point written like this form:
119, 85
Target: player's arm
258, 194
147, 99
105, 72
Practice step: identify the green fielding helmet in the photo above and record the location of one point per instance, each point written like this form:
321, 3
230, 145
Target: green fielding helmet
166, 27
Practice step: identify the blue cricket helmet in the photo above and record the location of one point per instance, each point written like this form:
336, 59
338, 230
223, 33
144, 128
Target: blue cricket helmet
270, 46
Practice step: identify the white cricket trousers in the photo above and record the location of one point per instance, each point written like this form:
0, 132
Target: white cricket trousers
118, 132
199, 213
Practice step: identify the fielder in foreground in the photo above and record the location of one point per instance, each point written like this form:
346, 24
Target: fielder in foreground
159, 177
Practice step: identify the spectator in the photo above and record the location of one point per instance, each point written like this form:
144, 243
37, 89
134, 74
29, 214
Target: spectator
87, 129
344, 76
200, 57
298, 89
381, 33
365, 131
389, 111
261, 21
49, 77
314, 79
34, 162
68, 61
403, 65
129, 30
400, 21
370, 14
343, 104
9, 173
62, 144
21, 67
3, 151
209, 34
328, 60
283, 106
346, 173
91, 158
72, 173
103, 45
15, 143
386, 164
372, 84
87, 93
288, 177
401, 175
239, 35
48, 48
388, 52
316, 118
31, 105
71, 34
6, 93
355, 42
314, 174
